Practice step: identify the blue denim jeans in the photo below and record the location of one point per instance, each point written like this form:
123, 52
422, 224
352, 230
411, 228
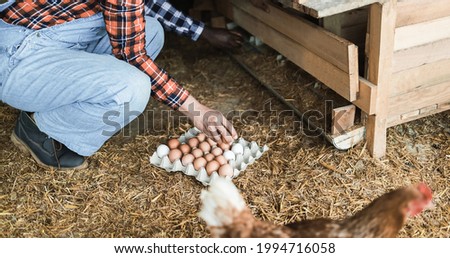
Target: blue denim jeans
67, 76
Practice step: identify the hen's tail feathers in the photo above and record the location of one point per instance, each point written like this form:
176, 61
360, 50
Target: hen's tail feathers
221, 203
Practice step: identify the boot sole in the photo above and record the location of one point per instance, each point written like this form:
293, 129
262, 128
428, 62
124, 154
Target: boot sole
24, 148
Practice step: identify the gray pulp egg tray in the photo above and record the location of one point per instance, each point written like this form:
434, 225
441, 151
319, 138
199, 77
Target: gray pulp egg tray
251, 153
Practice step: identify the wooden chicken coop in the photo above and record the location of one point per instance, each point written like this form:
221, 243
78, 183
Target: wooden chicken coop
389, 58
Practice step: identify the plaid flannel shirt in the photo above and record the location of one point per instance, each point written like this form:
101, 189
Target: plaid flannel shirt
174, 20
125, 25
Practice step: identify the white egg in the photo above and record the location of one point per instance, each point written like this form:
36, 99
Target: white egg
237, 149
162, 150
229, 155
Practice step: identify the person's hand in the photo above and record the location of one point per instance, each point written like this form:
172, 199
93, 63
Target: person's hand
222, 38
209, 121
261, 4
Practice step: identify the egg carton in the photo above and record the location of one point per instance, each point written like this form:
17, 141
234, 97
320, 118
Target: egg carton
251, 152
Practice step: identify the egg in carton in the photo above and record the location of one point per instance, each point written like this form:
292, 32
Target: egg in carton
237, 157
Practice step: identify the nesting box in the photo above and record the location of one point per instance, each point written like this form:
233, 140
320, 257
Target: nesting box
389, 58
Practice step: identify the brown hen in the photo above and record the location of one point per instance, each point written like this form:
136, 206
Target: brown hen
227, 215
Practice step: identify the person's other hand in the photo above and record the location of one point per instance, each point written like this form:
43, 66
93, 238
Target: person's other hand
261, 4
222, 38
209, 121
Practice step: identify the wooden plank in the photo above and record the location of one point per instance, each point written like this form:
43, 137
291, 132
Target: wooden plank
323, 43
381, 29
351, 25
425, 54
367, 97
322, 69
417, 11
422, 33
342, 119
320, 9
395, 120
355, 34
419, 77
420, 98
428, 109
337, 22
410, 114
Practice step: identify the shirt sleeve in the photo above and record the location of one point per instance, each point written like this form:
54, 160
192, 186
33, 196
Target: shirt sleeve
173, 19
125, 24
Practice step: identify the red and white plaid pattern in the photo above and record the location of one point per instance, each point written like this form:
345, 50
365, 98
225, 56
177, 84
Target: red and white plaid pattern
125, 24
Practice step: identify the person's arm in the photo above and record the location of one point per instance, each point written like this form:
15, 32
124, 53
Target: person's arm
125, 24
174, 20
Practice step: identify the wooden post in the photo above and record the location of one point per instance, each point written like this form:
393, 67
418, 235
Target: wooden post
381, 30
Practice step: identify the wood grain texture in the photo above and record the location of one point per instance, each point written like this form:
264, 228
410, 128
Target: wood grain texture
324, 8
343, 118
422, 33
367, 97
420, 77
381, 29
417, 11
397, 119
421, 55
419, 98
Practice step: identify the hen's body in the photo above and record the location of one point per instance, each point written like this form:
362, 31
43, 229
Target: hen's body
227, 216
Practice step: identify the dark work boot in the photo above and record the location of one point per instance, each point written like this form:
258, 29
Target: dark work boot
47, 152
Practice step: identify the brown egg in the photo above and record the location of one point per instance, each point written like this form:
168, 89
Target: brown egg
193, 142
199, 163
174, 155
205, 147
209, 157
217, 151
187, 159
173, 143
201, 137
212, 166
221, 159
197, 153
226, 170
185, 149
211, 142
224, 146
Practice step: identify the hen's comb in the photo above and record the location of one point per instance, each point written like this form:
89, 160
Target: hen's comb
426, 191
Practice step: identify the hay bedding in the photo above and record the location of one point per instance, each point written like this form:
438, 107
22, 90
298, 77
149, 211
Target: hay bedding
300, 177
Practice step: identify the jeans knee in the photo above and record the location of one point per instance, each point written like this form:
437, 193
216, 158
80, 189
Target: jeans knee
136, 92
154, 36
